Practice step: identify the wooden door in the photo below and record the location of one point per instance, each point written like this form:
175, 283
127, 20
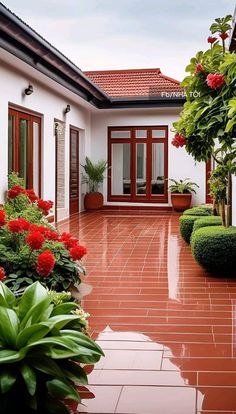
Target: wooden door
74, 171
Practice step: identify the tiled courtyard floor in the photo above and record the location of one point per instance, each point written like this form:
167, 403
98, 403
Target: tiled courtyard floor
167, 328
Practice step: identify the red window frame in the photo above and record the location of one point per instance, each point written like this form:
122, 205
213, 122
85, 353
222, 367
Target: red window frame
133, 197
17, 116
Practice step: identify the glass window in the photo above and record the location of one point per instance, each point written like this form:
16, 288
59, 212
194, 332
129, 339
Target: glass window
36, 139
10, 143
120, 134
158, 133
140, 169
141, 133
24, 150
120, 184
158, 175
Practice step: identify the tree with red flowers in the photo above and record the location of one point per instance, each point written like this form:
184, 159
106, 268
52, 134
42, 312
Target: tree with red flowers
207, 125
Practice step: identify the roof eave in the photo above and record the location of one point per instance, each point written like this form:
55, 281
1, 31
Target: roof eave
143, 102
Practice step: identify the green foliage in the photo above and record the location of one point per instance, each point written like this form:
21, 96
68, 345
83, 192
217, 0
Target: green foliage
14, 179
182, 186
186, 226
95, 173
214, 248
206, 221
221, 25
218, 182
41, 352
199, 211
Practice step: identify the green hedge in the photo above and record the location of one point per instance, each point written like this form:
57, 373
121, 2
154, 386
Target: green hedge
207, 221
214, 248
186, 226
199, 211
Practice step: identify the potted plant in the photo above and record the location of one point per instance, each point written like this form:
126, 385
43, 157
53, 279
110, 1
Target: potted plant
181, 193
94, 176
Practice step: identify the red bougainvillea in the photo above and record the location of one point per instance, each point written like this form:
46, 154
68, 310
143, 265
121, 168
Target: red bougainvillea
2, 273
178, 140
15, 191
2, 218
211, 39
199, 68
35, 240
68, 240
77, 252
15, 226
215, 80
31, 194
224, 35
25, 225
45, 206
45, 263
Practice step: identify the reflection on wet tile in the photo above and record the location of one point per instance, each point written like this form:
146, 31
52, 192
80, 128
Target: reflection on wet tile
156, 400
167, 327
105, 401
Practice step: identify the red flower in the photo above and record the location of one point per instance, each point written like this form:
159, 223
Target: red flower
198, 68
68, 240
45, 263
77, 252
215, 80
24, 224
45, 206
179, 140
211, 39
35, 240
15, 191
50, 235
2, 274
224, 35
31, 194
15, 226
2, 218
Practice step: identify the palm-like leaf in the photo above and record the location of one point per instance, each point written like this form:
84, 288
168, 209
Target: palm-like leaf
39, 358
182, 186
95, 173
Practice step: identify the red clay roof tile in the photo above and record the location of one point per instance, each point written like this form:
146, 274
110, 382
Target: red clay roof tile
135, 83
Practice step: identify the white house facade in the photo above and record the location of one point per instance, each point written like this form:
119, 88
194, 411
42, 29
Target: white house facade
52, 115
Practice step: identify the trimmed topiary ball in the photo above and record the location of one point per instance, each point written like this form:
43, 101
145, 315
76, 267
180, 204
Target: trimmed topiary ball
186, 226
207, 221
199, 211
214, 248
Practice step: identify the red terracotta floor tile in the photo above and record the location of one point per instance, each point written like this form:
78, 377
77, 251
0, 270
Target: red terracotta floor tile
167, 327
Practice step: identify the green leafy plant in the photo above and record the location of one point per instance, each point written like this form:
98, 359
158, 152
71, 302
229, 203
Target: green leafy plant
186, 226
214, 248
94, 173
206, 221
199, 211
182, 186
41, 352
207, 125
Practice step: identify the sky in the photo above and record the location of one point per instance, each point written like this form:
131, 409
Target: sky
125, 34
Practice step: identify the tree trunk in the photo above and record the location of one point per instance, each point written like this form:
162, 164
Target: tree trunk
222, 205
229, 201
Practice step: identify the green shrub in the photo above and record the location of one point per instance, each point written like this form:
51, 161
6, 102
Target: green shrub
214, 248
186, 226
199, 211
207, 221
41, 353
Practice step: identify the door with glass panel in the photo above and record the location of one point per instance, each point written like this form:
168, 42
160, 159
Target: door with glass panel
74, 171
138, 164
24, 147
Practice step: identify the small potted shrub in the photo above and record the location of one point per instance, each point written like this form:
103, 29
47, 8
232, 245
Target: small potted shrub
181, 193
94, 176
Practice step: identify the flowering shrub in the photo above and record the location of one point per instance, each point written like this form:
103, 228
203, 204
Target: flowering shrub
31, 249
215, 80
179, 140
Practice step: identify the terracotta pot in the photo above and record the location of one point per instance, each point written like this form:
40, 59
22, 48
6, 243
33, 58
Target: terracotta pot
93, 201
181, 202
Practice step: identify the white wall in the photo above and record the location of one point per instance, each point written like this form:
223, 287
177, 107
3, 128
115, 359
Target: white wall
48, 101
181, 165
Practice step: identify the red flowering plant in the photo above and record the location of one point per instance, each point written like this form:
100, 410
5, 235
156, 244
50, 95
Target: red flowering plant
33, 250
208, 120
